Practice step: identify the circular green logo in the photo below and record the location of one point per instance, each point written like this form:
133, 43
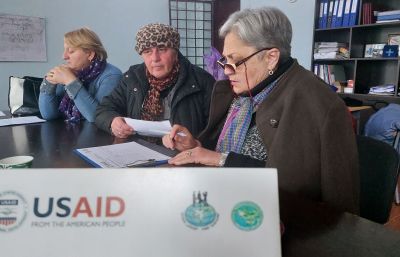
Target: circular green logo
247, 216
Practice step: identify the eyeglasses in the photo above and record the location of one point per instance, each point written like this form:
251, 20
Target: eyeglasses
233, 66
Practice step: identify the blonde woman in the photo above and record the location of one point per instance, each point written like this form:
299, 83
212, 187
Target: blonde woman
74, 89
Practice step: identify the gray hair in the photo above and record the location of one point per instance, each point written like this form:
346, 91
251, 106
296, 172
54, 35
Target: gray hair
261, 28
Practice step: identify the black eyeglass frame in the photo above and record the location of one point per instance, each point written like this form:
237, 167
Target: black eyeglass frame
234, 66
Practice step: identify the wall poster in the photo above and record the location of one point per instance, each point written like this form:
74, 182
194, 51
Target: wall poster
22, 38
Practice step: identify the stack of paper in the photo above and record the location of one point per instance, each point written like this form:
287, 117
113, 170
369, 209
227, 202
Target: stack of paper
330, 50
121, 156
20, 120
387, 89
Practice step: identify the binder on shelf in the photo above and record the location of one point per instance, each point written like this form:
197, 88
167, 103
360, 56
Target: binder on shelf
334, 15
339, 18
367, 12
354, 12
325, 14
330, 13
346, 13
321, 14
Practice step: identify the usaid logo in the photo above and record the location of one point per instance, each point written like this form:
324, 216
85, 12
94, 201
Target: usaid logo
13, 210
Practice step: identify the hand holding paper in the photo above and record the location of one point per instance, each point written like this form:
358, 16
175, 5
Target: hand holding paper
120, 128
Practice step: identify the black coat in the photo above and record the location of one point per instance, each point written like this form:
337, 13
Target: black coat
190, 101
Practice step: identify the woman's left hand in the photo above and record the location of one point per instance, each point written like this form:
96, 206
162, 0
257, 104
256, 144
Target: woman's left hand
60, 75
198, 155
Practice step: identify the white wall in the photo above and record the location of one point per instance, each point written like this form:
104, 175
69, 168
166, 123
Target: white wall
116, 22
301, 15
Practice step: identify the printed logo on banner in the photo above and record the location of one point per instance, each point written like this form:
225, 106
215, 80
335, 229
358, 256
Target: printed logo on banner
13, 210
87, 212
247, 216
200, 214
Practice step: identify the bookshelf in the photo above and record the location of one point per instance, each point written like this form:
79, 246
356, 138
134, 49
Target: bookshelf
365, 72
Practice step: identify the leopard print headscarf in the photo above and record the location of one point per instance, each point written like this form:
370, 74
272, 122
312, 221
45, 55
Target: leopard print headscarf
156, 35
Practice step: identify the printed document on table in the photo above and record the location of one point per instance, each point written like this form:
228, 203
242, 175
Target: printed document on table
149, 128
20, 120
120, 155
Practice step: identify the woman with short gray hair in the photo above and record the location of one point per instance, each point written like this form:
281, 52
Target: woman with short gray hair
261, 28
271, 112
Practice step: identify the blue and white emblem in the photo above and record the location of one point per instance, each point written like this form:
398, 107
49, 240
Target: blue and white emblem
13, 210
200, 214
247, 216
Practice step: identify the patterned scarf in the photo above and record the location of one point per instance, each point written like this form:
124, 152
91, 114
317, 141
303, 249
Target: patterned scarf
67, 106
152, 107
238, 121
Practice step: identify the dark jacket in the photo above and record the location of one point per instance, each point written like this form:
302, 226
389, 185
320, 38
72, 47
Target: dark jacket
189, 105
307, 132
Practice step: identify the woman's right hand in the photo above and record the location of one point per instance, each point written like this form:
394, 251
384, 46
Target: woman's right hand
60, 75
120, 129
180, 138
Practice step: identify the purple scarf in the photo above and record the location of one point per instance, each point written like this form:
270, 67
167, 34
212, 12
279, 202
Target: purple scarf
67, 106
238, 121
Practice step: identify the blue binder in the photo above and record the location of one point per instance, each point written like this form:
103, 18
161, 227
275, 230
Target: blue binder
346, 13
354, 12
334, 15
325, 15
330, 13
339, 18
321, 15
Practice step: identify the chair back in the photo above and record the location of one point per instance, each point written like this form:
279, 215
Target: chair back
379, 166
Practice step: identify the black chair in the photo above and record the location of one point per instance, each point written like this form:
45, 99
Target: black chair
379, 167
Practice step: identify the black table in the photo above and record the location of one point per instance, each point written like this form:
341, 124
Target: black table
52, 143
312, 229
316, 230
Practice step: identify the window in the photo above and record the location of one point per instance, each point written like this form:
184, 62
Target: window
194, 21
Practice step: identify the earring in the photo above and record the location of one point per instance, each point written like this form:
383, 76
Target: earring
270, 72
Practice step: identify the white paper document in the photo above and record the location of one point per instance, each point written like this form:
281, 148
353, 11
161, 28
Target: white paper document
20, 120
122, 156
150, 128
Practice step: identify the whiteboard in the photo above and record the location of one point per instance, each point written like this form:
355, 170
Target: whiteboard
22, 38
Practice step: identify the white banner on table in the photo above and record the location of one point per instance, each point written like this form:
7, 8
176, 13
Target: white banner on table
175, 212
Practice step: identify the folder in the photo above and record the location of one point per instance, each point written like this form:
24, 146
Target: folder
354, 12
330, 13
339, 18
388, 17
334, 15
321, 15
325, 14
346, 13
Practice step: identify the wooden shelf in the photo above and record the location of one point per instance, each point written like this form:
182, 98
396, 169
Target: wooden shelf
365, 72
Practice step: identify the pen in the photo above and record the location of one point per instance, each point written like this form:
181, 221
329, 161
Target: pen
148, 163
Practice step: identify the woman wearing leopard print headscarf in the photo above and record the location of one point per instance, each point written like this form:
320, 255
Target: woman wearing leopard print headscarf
166, 86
